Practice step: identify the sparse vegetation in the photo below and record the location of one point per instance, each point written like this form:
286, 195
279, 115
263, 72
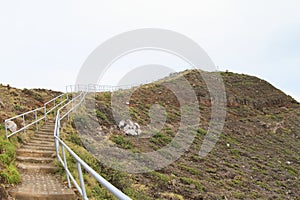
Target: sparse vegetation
122, 141
13, 102
255, 157
94, 189
101, 115
190, 181
8, 173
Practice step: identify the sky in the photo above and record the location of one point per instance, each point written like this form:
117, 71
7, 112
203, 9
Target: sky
43, 44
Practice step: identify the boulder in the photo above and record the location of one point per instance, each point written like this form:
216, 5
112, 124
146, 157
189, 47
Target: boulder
130, 128
12, 126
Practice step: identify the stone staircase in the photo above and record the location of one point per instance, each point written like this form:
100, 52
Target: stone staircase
35, 161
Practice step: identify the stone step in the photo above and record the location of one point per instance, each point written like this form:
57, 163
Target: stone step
43, 144
34, 159
45, 196
49, 130
43, 138
44, 135
35, 153
48, 126
39, 147
34, 144
41, 141
37, 167
39, 186
46, 131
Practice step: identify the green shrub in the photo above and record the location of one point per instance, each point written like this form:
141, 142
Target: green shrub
38, 97
120, 140
10, 175
160, 139
7, 151
28, 92
194, 171
201, 131
19, 108
164, 179
2, 127
100, 115
75, 139
190, 181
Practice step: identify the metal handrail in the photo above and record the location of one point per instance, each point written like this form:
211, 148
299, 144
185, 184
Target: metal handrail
23, 118
115, 191
83, 89
79, 162
37, 119
109, 88
54, 99
55, 105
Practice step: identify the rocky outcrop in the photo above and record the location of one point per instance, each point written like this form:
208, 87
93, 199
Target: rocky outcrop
12, 126
130, 128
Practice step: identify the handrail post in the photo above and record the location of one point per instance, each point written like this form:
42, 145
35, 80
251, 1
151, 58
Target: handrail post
6, 132
65, 165
45, 111
58, 124
36, 121
56, 147
24, 124
55, 109
81, 180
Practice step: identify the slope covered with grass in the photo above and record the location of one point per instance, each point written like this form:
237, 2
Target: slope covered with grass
256, 157
15, 101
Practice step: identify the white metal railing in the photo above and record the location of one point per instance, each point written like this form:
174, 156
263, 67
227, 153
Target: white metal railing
99, 88
109, 88
55, 103
34, 114
70, 107
64, 103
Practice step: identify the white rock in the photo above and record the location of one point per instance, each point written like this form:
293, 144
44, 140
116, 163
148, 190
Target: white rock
12, 126
130, 123
121, 124
131, 132
130, 128
137, 125
228, 145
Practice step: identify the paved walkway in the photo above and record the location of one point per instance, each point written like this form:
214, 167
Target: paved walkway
35, 162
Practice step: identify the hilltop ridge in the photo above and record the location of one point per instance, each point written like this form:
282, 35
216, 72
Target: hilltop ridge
256, 156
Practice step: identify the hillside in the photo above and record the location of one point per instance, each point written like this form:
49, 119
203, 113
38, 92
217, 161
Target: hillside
15, 101
256, 157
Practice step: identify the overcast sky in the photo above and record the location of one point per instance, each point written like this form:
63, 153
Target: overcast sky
44, 43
